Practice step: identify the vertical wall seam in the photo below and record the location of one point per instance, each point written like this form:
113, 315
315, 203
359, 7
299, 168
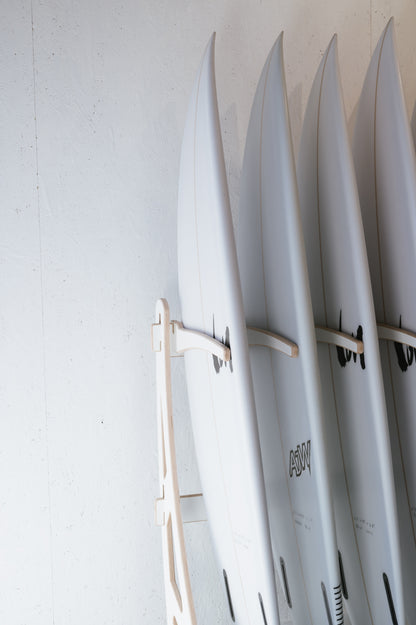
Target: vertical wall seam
42, 309
371, 28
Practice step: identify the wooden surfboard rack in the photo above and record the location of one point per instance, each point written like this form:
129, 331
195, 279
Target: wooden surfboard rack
172, 510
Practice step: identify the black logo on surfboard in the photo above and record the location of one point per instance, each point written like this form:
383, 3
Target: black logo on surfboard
225, 339
406, 355
300, 459
345, 355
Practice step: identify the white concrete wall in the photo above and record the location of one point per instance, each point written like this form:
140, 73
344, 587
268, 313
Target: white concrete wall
93, 96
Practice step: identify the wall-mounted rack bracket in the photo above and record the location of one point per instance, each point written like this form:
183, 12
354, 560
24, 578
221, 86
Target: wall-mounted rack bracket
170, 338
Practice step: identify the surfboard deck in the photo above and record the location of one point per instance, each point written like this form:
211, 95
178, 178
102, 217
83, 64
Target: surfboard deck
386, 175
356, 419
287, 390
221, 393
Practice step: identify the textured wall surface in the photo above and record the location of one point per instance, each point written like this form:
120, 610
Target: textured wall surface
93, 97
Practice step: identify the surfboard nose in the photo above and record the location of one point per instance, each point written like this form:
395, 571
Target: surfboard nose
277, 48
207, 67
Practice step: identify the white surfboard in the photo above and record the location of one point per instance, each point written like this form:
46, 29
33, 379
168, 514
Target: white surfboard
356, 418
221, 393
287, 390
386, 175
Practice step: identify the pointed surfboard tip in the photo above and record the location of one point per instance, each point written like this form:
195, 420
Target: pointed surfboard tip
277, 48
387, 34
207, 67
390, 24
210, 49
330, 54
387, 43
279, 42
209, 54
333, 45
332, 50
391, 33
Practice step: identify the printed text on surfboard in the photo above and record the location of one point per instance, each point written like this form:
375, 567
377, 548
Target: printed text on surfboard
406, 355
300, 459
345, 355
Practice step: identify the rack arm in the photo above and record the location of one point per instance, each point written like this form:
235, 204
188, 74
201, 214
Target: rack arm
182, 340
340, 339
398, 335
265, 338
